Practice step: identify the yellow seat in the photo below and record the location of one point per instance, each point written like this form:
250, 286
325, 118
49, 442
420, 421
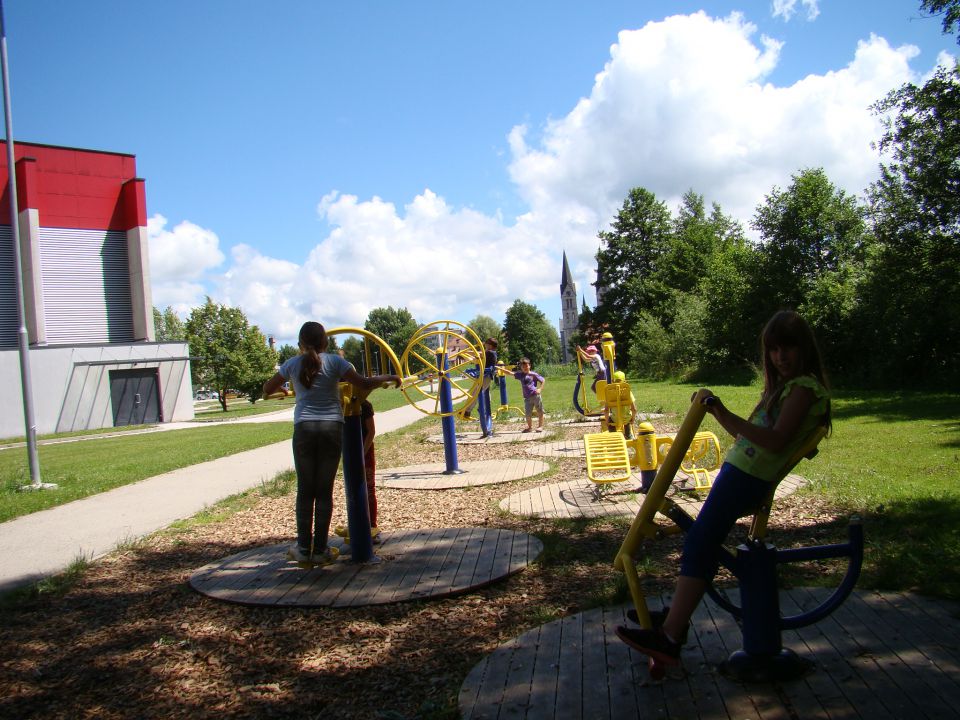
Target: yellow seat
607, 458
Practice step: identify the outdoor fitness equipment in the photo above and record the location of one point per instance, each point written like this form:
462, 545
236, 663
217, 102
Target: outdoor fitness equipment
427, 352
612, 454
763, 657
581, 396
502, 412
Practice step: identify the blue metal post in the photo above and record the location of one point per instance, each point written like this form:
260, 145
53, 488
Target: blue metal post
355, 486
447, 423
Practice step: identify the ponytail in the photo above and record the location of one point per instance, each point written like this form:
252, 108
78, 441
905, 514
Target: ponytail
313, 341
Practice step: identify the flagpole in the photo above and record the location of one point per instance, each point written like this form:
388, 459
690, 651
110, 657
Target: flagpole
24, 342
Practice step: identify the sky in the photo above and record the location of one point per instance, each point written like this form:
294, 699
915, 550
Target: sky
313, 160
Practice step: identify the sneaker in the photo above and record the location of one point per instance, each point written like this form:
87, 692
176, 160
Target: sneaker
539, 429
466, 415
300, 556
325, 556
527, 430
652, 643
657, 618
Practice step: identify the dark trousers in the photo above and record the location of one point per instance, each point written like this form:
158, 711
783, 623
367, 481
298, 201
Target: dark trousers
316, 456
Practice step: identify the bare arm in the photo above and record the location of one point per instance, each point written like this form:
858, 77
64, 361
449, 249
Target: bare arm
372, 382
273, 385
795, 408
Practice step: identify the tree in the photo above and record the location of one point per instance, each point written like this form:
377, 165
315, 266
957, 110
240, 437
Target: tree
227, 351
950, 9
393, 326
910, 300
529, 334
168, 326
286, 352
486, 327
353, 351
807, 230
629, 260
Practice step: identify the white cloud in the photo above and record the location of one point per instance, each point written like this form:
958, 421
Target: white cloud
179, 260
682, 103
786, 8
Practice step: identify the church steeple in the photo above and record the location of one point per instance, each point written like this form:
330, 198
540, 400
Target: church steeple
568, 305
567, 278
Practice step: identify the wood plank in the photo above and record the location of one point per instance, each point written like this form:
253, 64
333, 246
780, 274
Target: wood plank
463, 577
595, 697
622, 679
494, 684
570, 670
543, 681
927, 632
913, 668
846, 666
890, 675
432, 548
515, 702
736, 699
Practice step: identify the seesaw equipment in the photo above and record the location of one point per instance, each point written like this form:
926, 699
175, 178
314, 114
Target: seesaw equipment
763, 657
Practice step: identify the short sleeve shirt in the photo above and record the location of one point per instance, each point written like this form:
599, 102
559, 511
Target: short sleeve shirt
528, 382
767, 465
321, 401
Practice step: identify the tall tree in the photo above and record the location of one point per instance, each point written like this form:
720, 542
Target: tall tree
629, 259
286, 352
807, 230
227, 351
394, 326
910, 297
168, 326
530, 334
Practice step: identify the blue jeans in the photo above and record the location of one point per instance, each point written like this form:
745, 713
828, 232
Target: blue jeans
733, 495
316, 456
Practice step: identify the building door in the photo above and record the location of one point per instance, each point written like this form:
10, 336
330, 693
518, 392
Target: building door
135, 396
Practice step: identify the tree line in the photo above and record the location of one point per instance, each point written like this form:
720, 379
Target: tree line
686, 294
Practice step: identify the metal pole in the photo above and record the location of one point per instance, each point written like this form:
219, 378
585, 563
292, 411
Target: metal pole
24, 342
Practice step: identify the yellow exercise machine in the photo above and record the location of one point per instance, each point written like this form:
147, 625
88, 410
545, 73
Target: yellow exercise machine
763, 656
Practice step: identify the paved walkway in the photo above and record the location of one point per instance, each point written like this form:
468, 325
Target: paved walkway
44, 543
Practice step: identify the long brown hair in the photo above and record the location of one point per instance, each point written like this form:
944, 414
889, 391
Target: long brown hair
313, 341
787, 329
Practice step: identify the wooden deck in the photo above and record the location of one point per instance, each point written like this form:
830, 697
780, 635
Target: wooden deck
879, 656
414, 565
576, 498
432, 476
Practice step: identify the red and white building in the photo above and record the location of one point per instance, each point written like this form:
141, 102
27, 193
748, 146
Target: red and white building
94, 358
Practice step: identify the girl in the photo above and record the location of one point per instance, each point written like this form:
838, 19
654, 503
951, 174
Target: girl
794, 402
317, 434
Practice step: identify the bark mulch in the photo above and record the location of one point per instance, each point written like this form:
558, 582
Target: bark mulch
130, 639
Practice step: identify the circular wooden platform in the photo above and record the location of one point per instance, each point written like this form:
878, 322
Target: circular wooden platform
414, 565
880, 655
577, 498
432, 476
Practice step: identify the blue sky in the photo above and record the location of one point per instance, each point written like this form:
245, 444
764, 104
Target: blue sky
314, 160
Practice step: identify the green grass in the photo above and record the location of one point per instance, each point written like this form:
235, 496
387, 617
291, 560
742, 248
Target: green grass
87, 467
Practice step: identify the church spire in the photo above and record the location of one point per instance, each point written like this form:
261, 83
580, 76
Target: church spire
566, 280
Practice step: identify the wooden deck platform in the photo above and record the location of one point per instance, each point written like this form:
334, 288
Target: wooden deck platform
576, 498
879, 656
432, 476
414, 565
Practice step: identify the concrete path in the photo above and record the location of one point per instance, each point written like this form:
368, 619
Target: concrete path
44, 543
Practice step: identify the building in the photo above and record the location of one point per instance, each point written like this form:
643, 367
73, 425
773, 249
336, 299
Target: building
85, 276
568, 307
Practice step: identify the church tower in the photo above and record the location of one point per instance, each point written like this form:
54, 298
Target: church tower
568, 305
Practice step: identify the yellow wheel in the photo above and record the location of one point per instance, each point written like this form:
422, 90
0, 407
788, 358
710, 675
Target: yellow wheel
423, 359
378, 357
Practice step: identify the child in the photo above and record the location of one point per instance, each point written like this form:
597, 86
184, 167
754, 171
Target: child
593, 357
794, 402
317, 433
531, 393
369, 430
489, 370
